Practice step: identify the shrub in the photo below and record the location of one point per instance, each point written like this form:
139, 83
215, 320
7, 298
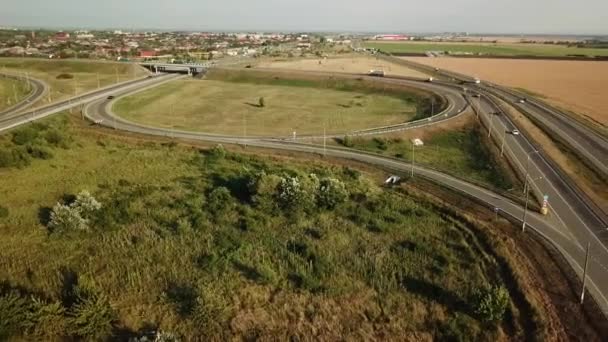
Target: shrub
218, 152
13, 314
92, 317
290, 192
490, 303
46, 319
3, 212
54, 137
332, 192
347, 141
66, 218
86, 204
25, 136
220, 200
39, 152
65, 76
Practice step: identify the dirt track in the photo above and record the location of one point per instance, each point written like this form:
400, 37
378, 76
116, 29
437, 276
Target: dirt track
578, 86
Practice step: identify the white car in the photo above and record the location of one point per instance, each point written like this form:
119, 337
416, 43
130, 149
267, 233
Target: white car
515, 132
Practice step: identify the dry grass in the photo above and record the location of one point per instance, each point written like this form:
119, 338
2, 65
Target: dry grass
578, 86
11, 92
233, 108
86, 75
354, 64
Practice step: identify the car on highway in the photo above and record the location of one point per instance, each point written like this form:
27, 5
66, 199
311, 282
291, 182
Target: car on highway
476, 95
377, 73
111, 97
522, 100
515, 132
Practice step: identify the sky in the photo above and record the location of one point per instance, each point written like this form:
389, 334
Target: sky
474, 16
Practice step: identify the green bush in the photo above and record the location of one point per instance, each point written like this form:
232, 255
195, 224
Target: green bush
25, 135
332, 192
347, 141
14, 157
46, 319
3, 212
490, 303
14, 310
220, 200
92, 317
218, 152
55, 137
39, 152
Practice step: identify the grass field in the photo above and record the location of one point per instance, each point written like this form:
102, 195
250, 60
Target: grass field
461, 152
197, 243
232, 108
11, 92
68, 77
499, 49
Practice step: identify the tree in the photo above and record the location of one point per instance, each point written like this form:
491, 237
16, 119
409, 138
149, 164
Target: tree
261, 102
332, 192
490, 303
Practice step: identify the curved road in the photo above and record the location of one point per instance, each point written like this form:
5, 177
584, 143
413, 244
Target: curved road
39, 89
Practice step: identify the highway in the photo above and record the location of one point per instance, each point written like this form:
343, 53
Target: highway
38, 90
565, 228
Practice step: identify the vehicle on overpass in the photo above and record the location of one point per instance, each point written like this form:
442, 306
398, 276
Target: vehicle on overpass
377, 73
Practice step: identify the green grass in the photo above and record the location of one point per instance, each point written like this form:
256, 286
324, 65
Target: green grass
290, 105
11, 92
504, 49
84, 74
184, 243
462, 153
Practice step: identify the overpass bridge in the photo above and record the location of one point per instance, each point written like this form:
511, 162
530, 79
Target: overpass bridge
188, 68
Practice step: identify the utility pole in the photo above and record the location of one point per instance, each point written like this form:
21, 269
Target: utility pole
490, 125
324, 140
98, 82
413, 149
502, 145
585, 273
523, 226
528, 168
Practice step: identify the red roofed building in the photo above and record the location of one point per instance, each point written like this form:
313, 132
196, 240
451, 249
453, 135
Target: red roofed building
147, 53
62, 36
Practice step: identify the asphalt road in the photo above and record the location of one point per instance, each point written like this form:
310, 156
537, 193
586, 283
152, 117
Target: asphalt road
565, 227
39, 89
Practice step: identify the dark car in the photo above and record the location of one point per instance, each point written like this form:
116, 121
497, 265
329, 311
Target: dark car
111, 97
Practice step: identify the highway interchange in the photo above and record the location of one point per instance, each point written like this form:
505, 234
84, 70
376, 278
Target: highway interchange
572, 223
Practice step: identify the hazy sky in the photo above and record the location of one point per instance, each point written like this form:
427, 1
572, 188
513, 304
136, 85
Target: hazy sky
483, 16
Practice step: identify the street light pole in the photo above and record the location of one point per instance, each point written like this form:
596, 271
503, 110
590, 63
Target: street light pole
491, 124
528, 168
502, 145
523, 225
413, 151
585, 273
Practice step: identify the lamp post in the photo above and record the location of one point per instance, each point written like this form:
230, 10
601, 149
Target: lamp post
528, 167
413, 154
502, 145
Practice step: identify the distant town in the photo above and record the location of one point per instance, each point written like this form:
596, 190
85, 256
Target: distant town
196, 46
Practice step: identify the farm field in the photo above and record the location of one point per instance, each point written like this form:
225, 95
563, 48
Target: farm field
69, 77
355, 64
11, 92
214, 252
577, 86
499, 49
233, 108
